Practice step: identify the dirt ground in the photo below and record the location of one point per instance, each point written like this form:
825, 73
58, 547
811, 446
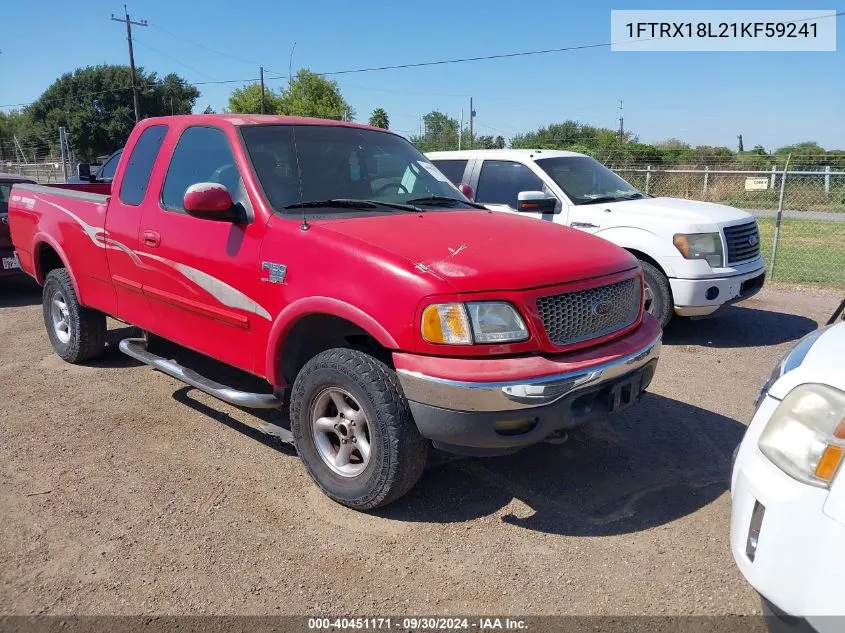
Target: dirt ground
124, 492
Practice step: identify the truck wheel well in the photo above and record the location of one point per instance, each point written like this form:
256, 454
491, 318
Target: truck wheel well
317, 333
644, 257
47, 259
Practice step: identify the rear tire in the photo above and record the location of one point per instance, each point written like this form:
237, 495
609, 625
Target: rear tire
77, 333
658, 293
354, 431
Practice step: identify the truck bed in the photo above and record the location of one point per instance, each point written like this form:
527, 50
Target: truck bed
76, 214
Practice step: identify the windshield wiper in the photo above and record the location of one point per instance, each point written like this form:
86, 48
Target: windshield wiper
350, 203
633, 196
435, 200
602, 199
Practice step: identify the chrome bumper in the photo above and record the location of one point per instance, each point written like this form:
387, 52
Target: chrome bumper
522, 394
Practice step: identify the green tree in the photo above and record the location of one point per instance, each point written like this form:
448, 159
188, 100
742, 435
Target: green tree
440, 133
499, 143
247, 100
310, 94
380, 119
95, 105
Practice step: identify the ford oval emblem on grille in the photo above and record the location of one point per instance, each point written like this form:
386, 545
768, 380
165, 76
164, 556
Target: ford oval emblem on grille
602, 308
752, 240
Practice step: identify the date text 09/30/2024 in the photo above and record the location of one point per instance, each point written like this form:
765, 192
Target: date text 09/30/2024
418, 624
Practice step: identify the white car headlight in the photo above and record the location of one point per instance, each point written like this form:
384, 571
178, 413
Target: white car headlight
805, 437
706, 246
791, 360
477, 322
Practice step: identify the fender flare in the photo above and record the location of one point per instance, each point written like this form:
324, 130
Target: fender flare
301, 308
44, 238
642, 240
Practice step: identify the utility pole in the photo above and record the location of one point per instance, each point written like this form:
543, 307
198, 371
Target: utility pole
461, 129
129, 24
62, 145
471, 117
261, 68
621, 124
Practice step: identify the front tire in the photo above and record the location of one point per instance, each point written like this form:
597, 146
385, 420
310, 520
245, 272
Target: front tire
77, 333
354, 431
658, 293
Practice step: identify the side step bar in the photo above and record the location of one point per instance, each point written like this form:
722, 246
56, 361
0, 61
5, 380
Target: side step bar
137, 349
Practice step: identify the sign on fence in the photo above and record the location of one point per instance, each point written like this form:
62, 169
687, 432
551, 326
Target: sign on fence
756, 184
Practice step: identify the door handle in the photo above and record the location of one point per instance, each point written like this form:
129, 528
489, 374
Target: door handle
584, 225
151, 239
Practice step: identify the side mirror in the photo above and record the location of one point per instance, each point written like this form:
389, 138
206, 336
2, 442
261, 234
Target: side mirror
210, 201
466, 190
83, 171
535, 202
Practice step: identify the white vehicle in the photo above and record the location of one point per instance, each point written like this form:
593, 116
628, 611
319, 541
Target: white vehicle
696, 256
788, 487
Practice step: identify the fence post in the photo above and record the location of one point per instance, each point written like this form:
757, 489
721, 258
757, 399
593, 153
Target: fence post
777, 220
827, 180
772, 178
647, 177
706, 178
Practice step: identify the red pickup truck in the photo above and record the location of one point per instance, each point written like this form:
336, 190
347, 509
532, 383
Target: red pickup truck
336, 262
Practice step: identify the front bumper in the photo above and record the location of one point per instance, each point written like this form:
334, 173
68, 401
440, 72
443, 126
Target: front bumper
691, 295
499, 416
797, 563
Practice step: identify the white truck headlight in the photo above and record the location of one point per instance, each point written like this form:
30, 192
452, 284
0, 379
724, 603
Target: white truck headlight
706, 246
805, 437
476, 322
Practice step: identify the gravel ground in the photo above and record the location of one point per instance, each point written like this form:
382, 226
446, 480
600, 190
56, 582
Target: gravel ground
124, 492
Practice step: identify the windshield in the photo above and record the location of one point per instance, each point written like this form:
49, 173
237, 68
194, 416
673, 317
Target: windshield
298, 164
585, 180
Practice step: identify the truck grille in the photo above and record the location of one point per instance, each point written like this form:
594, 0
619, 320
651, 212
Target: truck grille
579, 316
743, 242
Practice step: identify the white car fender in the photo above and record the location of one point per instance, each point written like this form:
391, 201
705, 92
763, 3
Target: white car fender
642, 240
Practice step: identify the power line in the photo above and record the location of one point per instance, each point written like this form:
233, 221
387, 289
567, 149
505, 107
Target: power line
173, 59
204, 47
409, 65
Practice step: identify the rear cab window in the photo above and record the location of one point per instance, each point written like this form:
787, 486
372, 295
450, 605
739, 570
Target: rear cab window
136, 175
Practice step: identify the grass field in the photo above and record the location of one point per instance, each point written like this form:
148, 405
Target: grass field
809, 251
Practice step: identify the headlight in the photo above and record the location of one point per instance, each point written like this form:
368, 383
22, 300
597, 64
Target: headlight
477, 322
706, 246
791, 360
805, 436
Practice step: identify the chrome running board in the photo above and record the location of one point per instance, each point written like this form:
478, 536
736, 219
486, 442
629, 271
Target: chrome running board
137, 349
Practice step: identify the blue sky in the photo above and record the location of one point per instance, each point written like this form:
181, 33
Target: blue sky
772, 99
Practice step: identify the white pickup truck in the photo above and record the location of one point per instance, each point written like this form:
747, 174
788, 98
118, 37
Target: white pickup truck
696, 256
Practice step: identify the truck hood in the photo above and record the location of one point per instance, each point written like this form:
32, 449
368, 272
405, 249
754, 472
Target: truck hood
478, 251
680, 211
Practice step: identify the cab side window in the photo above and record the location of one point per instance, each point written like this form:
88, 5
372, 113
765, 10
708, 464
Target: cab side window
203, 154
501, 181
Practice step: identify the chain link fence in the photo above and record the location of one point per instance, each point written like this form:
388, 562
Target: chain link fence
801, 213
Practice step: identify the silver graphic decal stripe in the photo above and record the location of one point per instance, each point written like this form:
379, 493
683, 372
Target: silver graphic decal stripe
223, 292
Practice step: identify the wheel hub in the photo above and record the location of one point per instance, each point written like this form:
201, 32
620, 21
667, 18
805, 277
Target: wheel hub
341, 432
60, 317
